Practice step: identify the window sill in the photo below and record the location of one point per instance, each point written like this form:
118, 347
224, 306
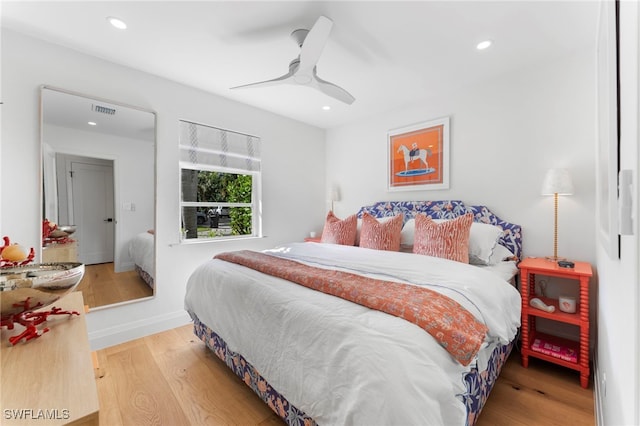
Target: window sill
196, 241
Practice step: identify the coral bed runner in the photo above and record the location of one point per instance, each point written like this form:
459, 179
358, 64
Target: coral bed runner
454, 327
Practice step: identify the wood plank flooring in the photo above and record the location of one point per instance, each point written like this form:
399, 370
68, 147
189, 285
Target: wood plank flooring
171, 378
102, 286
543, 394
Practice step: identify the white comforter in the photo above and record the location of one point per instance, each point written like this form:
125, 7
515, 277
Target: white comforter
141, 251
342, 363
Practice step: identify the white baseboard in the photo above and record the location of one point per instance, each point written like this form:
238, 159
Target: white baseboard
599, 391
133, 330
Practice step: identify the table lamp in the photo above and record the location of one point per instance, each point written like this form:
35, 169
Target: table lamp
556, 182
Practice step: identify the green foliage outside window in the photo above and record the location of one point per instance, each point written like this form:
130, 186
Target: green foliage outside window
239, 191
208, 187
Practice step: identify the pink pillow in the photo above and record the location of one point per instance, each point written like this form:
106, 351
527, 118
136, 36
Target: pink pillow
338, 231
449, 239
381, 235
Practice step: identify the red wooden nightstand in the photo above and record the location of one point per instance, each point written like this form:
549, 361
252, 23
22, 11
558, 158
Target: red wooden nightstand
531, 267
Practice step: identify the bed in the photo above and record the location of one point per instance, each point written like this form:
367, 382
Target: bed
141, 250
315, 358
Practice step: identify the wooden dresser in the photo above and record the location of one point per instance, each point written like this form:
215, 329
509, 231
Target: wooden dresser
50, 380
60, 253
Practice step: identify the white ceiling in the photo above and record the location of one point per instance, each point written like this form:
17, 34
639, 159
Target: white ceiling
387, 54
64, 109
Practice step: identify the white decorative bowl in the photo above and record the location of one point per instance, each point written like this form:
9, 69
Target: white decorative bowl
567, 304
69, 229
29, 287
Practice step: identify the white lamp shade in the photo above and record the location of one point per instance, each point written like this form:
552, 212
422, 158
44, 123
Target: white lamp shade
557, 181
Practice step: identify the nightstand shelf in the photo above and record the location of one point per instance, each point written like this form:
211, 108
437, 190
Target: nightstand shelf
559, 341
557, 315
582, 273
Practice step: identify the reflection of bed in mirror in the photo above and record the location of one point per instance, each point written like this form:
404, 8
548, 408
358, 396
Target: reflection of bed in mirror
141, 250
98, 162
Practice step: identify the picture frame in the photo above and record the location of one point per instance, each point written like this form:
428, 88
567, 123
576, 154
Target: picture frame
607, 161
418, 156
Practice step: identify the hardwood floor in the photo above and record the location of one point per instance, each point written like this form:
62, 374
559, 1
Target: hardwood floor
102, 286
171, 378
543, 394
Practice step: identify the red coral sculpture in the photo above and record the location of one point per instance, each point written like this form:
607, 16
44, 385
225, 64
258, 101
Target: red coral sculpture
27, 318
10, 263
47, 228
30, 320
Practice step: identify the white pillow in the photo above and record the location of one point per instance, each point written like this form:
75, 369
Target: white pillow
483, 239
407, 234
500, 253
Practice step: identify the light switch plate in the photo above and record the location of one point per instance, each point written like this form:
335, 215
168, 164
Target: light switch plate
625, 202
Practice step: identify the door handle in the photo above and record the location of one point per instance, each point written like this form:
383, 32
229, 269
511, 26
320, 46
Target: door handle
109, 219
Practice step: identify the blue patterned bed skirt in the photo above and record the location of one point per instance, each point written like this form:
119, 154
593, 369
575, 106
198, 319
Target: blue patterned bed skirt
250, 376
146, 277
478, 384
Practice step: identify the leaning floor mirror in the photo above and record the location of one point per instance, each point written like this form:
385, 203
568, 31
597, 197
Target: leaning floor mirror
98, 194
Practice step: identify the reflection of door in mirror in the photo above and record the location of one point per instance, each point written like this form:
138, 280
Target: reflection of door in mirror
85, 199
99, 176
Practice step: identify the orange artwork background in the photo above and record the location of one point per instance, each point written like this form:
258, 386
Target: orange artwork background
430, 141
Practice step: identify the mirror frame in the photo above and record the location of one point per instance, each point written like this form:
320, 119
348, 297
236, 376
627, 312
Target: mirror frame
155, 180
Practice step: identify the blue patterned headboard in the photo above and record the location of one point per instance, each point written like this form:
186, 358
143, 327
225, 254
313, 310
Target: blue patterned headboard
449, 209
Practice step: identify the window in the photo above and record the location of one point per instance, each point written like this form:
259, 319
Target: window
219, 183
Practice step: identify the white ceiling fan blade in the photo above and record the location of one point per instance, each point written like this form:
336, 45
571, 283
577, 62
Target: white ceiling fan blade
332, 90
302, 70
314, 44
280, 80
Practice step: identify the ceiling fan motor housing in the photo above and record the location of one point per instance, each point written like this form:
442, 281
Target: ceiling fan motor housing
298, 36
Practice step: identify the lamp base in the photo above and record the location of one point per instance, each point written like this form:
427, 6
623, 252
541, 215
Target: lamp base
554, 258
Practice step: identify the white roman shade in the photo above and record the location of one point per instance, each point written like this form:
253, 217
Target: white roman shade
206, 147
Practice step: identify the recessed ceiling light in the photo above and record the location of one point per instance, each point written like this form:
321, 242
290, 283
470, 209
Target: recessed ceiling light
326, 107
484, 44
117, 23
92, 123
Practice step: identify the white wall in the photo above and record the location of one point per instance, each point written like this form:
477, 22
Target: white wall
134, 175
505, 134
619, 298
292, 185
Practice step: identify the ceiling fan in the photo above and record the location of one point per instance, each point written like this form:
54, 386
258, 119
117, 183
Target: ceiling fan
302, 70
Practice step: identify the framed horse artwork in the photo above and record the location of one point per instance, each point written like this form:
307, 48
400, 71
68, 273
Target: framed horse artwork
418, 156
